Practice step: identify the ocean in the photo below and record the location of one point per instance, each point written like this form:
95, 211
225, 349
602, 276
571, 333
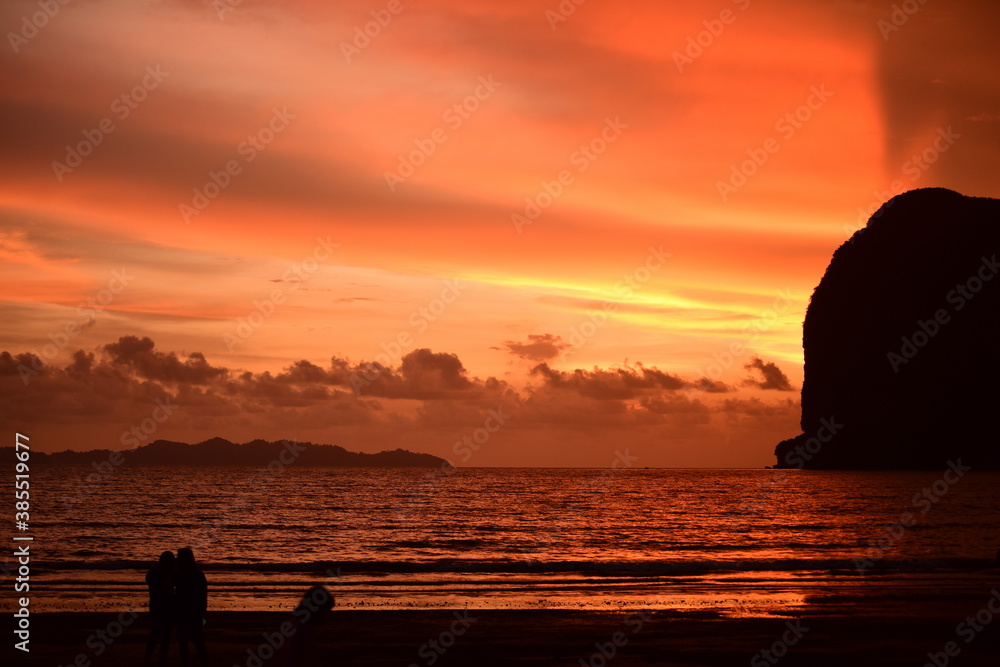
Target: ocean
728, 542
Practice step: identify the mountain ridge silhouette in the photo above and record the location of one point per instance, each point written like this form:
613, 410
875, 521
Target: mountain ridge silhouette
257, 452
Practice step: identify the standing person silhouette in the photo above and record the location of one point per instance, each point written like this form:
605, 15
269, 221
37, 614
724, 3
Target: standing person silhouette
191, 604
160, 581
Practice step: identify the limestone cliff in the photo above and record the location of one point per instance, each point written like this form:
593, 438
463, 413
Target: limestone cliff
902, 342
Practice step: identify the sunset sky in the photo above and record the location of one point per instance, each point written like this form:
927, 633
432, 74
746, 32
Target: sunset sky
604, 223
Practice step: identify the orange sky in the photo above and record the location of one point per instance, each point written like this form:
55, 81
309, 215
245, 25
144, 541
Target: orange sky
636, 118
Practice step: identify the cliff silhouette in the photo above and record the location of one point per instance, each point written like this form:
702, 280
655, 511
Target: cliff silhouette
221, 452
902, 342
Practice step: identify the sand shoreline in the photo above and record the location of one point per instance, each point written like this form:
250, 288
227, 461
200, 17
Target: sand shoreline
538, 637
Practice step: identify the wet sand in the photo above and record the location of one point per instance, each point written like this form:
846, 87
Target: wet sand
510, 637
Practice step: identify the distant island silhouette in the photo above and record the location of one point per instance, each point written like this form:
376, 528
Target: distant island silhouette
902, 342
222, 452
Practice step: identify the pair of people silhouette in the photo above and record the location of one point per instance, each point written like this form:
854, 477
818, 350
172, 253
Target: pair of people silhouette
178, 598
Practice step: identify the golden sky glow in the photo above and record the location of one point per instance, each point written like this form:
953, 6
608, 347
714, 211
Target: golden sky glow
705, 161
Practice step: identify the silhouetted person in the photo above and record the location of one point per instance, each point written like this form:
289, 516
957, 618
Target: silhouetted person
302, 648
160, 581
191, 603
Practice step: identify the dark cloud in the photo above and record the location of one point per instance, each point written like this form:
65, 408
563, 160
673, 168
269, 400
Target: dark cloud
422, 375
10, 364
423, 368
773, 377
306, 372
96, 397
712, 386
611, 384
138, 354
540, 347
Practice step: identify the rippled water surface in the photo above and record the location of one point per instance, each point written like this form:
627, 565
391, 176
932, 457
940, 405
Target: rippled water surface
725, 539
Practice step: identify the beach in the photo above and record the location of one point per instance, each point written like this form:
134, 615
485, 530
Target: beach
893, 624
502, 637
535, 567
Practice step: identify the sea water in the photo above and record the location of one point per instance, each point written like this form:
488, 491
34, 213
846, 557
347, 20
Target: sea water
752, 542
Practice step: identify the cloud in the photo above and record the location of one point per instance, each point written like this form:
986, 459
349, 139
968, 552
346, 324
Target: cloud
426, 402
10, 364
712, 386
610, 384
773, 377
427, 374
139, 355
540, 347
